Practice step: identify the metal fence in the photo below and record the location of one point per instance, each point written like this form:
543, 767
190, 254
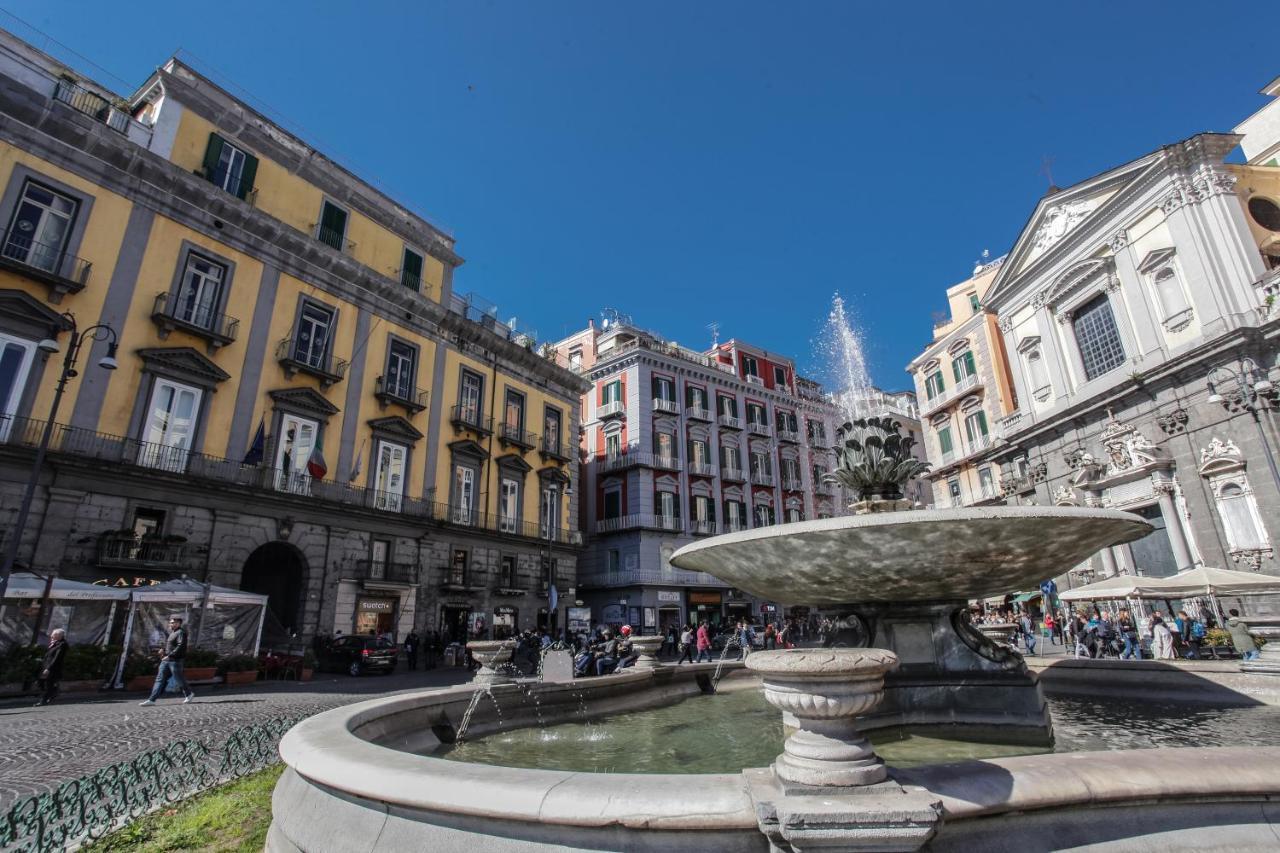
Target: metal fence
88, 808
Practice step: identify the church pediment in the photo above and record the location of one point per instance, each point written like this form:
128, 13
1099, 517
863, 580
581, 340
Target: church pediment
395, 427
304, 401
183, 364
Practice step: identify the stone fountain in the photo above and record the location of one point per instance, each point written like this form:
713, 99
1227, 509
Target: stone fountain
901, 579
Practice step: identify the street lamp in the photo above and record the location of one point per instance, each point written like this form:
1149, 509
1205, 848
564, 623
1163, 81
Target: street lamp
97, 332
1248, 387
551, 520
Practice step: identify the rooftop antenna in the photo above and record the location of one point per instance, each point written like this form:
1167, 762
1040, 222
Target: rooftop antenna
714, 327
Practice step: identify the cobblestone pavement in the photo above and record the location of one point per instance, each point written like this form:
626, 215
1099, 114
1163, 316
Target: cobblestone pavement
42, 747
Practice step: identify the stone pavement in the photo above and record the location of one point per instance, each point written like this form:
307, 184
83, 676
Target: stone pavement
41, 748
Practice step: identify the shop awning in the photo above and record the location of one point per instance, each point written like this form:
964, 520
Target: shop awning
27, 585
1024, 597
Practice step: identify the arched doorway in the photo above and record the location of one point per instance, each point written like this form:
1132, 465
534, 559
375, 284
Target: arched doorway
277, 570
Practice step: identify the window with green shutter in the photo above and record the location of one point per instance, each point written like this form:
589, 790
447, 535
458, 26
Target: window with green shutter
230, 167
944, 439
411, 270
333, 226
963, 365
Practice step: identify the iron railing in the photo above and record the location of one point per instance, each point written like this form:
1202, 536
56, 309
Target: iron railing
463, 416
192, 318
95, 804
517, 435
132, 552
611, 410
791, 436
321, 364
556, 449
381, 570
401, 393
43, 258
332, 237
732, 472
661, 404
730, 422
94, 105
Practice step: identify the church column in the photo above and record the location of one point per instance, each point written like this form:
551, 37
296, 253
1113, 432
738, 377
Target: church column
1173, 524
1108, 562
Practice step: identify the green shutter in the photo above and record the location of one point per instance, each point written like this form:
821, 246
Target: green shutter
411, 269
212, 154
944, 439
247, 175
955, 370
982, 422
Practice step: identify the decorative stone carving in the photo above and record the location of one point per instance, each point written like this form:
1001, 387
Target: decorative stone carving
493, 656
1220, 456
647, 649
1065, 496
1126, 447
825, 690
1038, 472
1118, 241
1174, 422
1005, 323
1056, 222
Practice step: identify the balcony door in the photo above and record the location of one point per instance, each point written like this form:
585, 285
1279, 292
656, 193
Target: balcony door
201, 292
314, 329
38, 234
297, 440
464, 494
389, 482
469, 398
667, 509
16, 356
509, 500
170, 426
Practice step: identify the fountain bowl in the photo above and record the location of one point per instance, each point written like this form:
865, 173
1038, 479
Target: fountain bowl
919, 555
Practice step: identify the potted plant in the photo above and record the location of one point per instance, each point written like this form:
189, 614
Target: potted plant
140, 672
308, 666
239, 669
19, 668
87, 667
201, 664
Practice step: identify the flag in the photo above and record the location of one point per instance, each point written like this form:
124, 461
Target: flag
316, 466
258, 447
355, 469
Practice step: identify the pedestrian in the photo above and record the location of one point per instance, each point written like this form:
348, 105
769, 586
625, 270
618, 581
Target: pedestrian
1187, 631
411, 645
686, 644
1050, 626
770, 637
174, 653
1161, 638
1129, 636
704, 643
1240, 636
1028, 626
51, 670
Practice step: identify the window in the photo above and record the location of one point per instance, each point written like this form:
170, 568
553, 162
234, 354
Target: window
411, 270
729, 458
16, 356
612, 392
756, 415
41, 225
613, 445
934, 386
229, 167
962, 366
170, 427
1039, 373
470, 397
513, 414
760, 463
987, 482
819, 474
667, 509
975, 428
944, 439
1098, 338
389, 479
509, 505
550, 509
401, 359
464, 494
791, 470
974, 304
728, 406
764, 516
953, 489
1173, 300
200, 293
551, 429
315, 327
749, 366
665, 446
378, 554
697, 398
1265, 212
793, 515
734, 515
702, 508
613, 503
458, 566
333, 226
664, 389
297, 440
575, 359
1240, 518
779, 377
787, 422
699, 452
510, 577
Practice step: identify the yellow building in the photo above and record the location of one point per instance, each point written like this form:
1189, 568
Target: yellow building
303, 406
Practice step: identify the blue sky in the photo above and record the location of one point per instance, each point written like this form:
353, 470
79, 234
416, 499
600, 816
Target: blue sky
697, 162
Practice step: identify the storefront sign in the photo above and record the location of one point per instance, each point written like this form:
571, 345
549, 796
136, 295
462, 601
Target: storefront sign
650, 618
667, 595
504, 611
768, 608
376, 605
126, 582
579, 619
704, 598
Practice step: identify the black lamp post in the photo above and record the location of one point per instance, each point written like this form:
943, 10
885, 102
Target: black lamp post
1246, 387
98, 332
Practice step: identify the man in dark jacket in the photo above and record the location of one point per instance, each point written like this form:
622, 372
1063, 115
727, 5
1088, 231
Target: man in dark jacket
171, 660
51, 669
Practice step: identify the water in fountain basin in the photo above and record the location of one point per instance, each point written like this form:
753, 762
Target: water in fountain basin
841, 348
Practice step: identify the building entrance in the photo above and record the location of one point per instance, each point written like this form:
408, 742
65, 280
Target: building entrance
278, 571
1152, 554
453, 624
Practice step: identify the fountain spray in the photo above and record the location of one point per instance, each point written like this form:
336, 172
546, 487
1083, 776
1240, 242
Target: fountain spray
842, 348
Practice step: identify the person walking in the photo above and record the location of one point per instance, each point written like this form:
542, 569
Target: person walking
1028, 626
1241, 638
1129, 635
411, 646
770, 637
704, 643
1050, 627
1161, 639
686, 645
175, 652
1186, 631
51, 669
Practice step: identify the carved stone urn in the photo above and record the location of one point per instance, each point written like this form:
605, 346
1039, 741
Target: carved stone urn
825, 690
491, 654
996, 632
647, 649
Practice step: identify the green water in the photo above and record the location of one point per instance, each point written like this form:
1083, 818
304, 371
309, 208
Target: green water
726, 732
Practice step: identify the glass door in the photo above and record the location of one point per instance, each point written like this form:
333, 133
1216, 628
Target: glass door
389, 483
170, 427
297, 441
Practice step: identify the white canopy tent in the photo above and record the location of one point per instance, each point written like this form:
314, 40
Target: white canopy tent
84, 610
227, 621
1115, 587
1206, 580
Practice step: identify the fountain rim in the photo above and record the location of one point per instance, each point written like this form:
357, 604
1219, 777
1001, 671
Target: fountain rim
797, 529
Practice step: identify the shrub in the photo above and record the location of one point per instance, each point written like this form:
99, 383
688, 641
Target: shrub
1217, 637
201, 658
136, 665
20, 665
90, 663
238, 663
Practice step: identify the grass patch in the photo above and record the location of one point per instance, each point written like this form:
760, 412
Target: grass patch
233, 817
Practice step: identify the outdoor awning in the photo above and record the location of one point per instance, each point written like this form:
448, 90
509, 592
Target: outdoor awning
1024, 597
27, 585
1117, 586
188, 590
1206, 580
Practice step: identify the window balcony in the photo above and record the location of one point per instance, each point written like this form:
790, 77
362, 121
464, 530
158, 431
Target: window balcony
218, 329
792, 484
702, 469
124, 550
732, 474
734, 526
759, 428
412, 400
666, 463
950, 395
823, 488
754, 380
515, 435
949, 456
49, 265
332, 238
670, 407
323, 366
1013, 423
730, 422
381, 572
695, 413
979, 444
818, 441
620, 461
463, 416
615, 409
552, 449
761, 478
702, 527
93, 105
790, 436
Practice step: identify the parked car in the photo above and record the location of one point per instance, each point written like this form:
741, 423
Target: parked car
358, 655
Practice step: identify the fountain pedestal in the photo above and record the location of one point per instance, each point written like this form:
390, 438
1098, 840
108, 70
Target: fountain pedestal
647, 650
1268, 660
491, 655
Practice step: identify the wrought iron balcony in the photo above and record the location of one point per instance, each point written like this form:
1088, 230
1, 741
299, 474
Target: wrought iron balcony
661, 404
60, 272
792, 484
702, 527
696, 413
93, 105
463, 416
759, 428
761, 478
516, 436
754, 380
790, 436
380, 571
733, 473
615, 409
127, 551
169, 314
553, 449
702, 469
322, 365
730, 422
411, 399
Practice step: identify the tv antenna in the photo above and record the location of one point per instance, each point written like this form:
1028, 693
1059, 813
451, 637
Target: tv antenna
714, 328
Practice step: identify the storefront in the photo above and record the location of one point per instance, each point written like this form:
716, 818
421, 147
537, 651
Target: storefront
704, 605
737, 607
505, 622
375, 615
670, 609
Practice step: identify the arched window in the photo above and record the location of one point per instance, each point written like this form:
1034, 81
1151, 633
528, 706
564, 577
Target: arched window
1038, 371
1239, 517
1169, 291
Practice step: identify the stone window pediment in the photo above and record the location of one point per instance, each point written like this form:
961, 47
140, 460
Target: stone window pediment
303, 401
1156, 259
959, 346
1084, 277
468, 448
26, 317
513, 462
973, 401
183, 364
1028, 343
395, 427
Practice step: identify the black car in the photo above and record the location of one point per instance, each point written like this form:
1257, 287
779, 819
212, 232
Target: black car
358, 655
